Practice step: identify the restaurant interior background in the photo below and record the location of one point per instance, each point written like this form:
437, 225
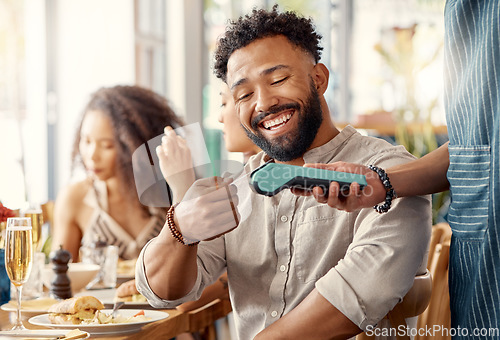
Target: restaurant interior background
385, 60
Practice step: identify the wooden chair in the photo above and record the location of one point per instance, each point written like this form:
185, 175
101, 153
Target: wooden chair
438, 301
413, 304
204, 322
441, 233
438, 311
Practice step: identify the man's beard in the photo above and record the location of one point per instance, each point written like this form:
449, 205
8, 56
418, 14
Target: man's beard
294, 144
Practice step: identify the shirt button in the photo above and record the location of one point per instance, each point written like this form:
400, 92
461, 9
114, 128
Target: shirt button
274, 313
284, 218
282, 268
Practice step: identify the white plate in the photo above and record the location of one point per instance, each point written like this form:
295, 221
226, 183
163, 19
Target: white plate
107, 297
43, 320
39, 333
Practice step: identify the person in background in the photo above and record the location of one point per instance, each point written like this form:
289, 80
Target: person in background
469, 165
235, 137
105, 204
296, 269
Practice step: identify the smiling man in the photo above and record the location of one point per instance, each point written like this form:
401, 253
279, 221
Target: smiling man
297, 269
286, 129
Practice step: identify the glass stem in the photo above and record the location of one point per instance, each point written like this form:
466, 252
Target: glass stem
18, 319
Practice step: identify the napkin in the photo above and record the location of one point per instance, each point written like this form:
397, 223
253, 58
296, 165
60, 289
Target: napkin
74, 334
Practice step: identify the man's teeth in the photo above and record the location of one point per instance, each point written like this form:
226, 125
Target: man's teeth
272, 123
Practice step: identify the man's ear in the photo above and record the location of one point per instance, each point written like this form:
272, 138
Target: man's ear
320, 77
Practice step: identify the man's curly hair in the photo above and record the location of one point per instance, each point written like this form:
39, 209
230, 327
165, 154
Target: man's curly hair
260, 24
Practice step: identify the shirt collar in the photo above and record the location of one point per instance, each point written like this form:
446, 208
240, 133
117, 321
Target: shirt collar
326, 152
321, 154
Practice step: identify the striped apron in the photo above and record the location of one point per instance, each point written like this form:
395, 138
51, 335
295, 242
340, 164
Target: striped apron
472, 101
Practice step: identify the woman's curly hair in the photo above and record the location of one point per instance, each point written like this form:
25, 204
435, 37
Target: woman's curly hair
260, 24
137, 115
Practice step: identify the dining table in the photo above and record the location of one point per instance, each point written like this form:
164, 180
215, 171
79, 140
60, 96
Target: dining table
176, 323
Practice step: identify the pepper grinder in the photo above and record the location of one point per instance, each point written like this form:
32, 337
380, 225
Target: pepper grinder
60, 287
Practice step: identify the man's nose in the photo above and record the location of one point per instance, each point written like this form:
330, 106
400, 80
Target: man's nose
265, 99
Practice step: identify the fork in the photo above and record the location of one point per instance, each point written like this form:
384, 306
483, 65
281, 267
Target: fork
116, 306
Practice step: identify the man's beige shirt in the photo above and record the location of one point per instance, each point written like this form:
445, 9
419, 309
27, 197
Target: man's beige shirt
362, 262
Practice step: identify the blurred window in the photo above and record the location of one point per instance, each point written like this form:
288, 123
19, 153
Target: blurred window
12, 103
150, 44
37, 59
361, 80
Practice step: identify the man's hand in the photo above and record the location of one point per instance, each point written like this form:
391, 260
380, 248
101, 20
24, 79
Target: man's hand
175, 163
208, 210
356, 198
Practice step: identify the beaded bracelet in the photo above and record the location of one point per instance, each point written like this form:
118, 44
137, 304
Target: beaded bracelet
390, 193
173, 230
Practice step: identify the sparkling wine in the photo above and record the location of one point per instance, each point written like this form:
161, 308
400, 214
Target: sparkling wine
36, 223
18, 258
18, 254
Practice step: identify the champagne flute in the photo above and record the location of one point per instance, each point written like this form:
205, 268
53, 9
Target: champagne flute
18, 257
36, 227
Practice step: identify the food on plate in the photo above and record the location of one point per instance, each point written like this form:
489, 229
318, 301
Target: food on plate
75, 310
138, 317
127, 292
87, 310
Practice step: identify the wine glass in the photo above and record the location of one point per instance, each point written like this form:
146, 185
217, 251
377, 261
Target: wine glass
97, 254
36, 216
18, 257
33, 288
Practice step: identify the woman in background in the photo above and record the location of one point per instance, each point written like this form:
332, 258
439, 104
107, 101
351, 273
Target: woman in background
105, 205
234, 136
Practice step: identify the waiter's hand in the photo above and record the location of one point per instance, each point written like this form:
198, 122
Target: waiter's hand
351, 200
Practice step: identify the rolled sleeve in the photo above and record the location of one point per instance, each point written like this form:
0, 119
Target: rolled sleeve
337, 291
387, 251
154, 300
